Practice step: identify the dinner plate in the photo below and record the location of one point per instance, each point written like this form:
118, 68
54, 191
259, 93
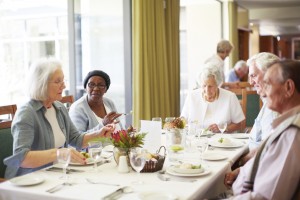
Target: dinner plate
90, 161
213, 156
157, 195
240, 135
170, 170
233, 144
26, 180
177, 169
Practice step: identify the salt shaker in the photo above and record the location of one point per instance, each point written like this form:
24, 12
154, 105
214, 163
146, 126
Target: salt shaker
123, 167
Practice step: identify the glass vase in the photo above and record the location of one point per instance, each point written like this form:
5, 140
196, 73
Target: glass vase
118, 151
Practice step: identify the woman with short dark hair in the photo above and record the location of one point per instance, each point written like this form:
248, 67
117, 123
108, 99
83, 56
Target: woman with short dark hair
93, 111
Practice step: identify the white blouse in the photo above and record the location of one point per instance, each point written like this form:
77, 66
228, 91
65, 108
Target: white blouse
226, 108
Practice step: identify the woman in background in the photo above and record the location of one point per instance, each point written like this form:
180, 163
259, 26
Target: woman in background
210, 105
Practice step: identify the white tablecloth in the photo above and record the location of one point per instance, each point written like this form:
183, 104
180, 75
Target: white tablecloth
205, 186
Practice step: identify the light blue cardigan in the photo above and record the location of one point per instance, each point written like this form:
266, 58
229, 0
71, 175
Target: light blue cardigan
83, 117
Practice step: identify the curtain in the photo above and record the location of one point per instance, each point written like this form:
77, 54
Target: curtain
156, 84
233, 32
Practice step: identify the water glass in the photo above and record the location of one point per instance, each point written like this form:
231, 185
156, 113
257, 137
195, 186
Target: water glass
157, 119
137, 161
95, 150
64, 158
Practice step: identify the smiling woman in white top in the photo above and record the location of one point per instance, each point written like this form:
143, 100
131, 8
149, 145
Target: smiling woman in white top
210, 105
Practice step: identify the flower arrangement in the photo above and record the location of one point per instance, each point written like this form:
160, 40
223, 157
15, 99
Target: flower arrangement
128, 138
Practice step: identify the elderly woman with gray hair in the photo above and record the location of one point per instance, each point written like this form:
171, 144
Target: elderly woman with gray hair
210, 105
42, 128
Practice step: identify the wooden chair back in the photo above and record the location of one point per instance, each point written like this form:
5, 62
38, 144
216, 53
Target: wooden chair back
67, 100
8, 112
242, 96
6, 139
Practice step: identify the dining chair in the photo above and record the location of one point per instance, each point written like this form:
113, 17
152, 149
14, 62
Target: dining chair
67, 100
242, 96
245, 85
7, 114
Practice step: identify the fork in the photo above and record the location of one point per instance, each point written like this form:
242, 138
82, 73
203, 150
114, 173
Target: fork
100, 182
58, 187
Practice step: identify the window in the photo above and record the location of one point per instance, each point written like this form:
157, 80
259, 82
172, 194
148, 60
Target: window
33, 29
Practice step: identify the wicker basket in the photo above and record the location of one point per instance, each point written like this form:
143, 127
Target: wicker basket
154, 166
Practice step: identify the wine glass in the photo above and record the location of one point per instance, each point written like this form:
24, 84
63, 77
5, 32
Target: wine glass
222, 127
95, 150
64, 158
137, 161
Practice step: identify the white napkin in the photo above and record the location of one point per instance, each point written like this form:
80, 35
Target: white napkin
153, 137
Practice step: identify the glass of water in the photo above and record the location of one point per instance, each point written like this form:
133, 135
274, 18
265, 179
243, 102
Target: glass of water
95, 150
64, 158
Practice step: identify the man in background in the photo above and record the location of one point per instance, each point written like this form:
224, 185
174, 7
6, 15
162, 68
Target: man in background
237, 73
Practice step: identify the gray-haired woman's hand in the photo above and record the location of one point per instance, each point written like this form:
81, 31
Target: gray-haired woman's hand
110, 118
107, 130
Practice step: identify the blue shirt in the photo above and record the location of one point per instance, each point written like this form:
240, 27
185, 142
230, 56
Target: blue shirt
232, 77
31, 131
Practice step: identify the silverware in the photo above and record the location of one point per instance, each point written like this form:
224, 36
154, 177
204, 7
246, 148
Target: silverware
129, 113
167, 178
116, 194
100, 182
102, 162
58, 169
58, 187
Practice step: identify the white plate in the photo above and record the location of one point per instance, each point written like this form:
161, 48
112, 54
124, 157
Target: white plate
233, 144
213, 156
170, 170
177, 169
157, 196
26, 180
90, 161
240, 135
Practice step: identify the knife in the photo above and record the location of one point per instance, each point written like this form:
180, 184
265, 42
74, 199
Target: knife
117, 193
58, 169
167, 178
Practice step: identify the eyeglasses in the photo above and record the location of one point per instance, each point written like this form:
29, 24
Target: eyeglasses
59, 82
93, 86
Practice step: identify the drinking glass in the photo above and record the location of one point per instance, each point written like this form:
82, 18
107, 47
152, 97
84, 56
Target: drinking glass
169, 119
222, 126
64, 158
95, 150
157, 119
137, 161
202, 146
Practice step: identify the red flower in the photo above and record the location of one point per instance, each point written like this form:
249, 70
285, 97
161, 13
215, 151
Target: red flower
128, 138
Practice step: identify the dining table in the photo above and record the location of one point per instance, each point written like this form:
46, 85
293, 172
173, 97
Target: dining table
84, 182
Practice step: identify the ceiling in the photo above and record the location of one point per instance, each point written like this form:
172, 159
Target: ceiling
274, 17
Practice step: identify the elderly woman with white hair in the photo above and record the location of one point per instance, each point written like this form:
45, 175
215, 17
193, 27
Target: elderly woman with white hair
210, 105
42, 127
